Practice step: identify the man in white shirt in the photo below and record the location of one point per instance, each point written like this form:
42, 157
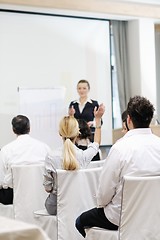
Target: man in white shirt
138, 151
23, 150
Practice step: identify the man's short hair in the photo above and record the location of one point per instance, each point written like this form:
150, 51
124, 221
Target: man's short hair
20, 125
140, 111
124, 119
124, 116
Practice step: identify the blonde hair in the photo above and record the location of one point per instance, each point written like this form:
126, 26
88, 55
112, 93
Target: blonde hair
69, 130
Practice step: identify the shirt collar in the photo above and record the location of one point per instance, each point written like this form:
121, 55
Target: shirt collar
23, 136
88, 100
136, 131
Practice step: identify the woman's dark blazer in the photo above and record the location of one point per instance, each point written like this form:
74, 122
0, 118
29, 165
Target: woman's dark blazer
88, 111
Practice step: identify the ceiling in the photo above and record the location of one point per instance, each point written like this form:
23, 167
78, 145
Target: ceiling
157, 2
111, 9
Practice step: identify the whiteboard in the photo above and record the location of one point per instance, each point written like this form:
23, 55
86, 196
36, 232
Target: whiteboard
44, 108
40, 51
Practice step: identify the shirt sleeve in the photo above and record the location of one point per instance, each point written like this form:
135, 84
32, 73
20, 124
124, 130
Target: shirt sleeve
109, 179
49, 181
84, 157
2, 168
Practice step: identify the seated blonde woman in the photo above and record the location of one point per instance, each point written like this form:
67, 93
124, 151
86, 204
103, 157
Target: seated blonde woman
69, 157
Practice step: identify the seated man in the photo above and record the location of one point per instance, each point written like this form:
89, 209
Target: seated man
23, 150
137, 151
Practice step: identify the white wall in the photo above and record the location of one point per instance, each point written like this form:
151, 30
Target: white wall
12, 75
142, 58
134, 56
45, 52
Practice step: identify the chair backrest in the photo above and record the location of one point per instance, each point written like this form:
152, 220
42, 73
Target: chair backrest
76, 191
95, 164
29, 193
6, 210
140, 213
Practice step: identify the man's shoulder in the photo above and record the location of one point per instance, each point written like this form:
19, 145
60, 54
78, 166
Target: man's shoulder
136, 142
8, 145
39, 142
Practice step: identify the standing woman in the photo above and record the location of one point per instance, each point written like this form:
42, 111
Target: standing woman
83, 108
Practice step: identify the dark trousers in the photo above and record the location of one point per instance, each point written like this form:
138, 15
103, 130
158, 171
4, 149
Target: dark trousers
93, 218
6, 196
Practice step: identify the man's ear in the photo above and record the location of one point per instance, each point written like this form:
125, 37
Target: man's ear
129, 122
128, 119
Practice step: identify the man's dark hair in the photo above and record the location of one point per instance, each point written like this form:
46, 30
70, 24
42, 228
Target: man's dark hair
124, 119
124, 116
140, 111
20, 125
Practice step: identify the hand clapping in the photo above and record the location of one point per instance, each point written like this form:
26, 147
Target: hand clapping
98, 113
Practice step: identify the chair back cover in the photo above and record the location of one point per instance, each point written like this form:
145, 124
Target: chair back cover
140, 214
76, 194
95, 164
7, 210
96, 233
29, 193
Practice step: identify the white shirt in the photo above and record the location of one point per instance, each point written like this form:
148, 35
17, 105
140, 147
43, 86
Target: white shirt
23, 150
54, 161
137, 151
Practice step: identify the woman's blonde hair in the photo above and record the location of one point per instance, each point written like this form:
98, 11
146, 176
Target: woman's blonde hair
69, 130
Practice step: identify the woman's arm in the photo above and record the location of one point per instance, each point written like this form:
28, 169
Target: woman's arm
48, 182
92, 123
49, 175
71, 111
98, 113
84, 157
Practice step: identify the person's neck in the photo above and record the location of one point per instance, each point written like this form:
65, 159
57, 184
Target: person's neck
83, 99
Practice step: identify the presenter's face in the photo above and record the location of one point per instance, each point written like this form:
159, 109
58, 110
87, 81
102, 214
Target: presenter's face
82, 89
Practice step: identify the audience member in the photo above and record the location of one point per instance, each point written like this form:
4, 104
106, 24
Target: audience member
23, 150
85, 138
137, 151
70, 157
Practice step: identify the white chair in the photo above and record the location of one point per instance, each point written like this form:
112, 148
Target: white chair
47, 222
29, 193
140, 213
95, 164
96, 233
7, 210
11, 229
76, 192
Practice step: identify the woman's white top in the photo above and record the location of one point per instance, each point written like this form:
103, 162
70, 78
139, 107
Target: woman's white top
54, 161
